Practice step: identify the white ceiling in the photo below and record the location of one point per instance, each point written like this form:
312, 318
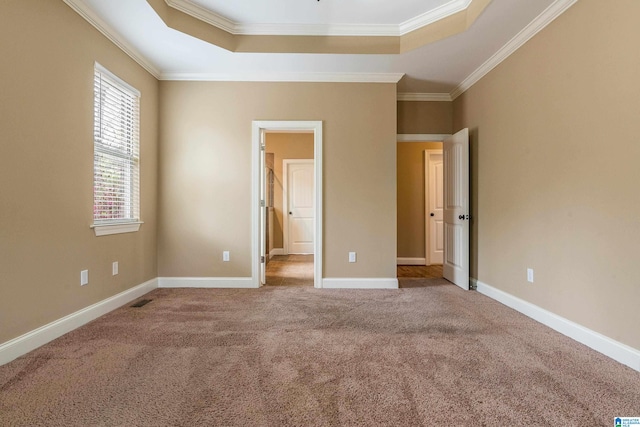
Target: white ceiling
380, 12
441, 67
308, 17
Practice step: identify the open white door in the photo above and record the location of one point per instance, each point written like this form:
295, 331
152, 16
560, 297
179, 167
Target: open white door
263, 212
456, 209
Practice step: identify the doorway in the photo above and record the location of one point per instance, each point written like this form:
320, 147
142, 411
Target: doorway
290, 213
455, 208
413, 198
260, 206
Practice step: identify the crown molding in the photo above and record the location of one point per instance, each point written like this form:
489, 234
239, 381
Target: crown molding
554, 10
203, 14
85, 12
286, 77
261, 29
437, 97
434, 15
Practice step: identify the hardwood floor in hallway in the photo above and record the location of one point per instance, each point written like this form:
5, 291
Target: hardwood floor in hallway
418, 276
290, 270
420, 271
297, 270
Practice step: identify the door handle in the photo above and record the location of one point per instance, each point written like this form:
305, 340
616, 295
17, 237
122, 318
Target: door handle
290, 213
463, 217
432, 214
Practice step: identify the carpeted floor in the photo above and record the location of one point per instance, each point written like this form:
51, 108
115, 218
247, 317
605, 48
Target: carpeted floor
298, 356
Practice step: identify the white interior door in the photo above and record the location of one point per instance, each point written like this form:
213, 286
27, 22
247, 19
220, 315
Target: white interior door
456, 208
434, 206
299, 206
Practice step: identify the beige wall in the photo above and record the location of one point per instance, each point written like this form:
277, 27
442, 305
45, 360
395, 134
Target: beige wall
285, 146
545, 193
205, 173
46, 168
411, 198
420, 117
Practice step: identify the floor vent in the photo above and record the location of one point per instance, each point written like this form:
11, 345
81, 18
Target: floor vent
141, 303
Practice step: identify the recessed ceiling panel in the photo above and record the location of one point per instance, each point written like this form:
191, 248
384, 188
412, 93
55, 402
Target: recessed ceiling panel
322, 12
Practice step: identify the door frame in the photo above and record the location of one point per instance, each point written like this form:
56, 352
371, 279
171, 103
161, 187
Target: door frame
259, 127
427, 193
285, 199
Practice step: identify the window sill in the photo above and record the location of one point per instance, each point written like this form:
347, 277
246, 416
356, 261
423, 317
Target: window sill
116, 228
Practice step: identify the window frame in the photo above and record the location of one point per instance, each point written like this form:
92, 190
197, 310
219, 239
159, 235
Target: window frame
131, 221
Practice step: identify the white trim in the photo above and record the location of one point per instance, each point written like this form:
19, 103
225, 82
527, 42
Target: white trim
47, 333
425, 137
92, 18
116, 228
102, 70
434, 15
203, 14
360, 283
616, 350
285, 198
206, 282
364, 30
411, 261
257, 128
556, 9
286, 77
276, 251
424, 97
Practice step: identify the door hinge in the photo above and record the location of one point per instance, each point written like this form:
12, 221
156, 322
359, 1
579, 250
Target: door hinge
262, 203
261, 260
263, 147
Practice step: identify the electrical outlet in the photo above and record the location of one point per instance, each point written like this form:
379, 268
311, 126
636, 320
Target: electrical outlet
114, 268
84, 277
352, 257
530, 275
225, 256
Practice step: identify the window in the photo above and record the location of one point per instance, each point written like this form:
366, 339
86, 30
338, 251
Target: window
116, 159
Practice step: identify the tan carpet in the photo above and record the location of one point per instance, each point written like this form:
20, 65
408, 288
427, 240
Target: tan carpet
296, 356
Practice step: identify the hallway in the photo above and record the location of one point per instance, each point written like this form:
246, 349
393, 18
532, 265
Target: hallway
290, 270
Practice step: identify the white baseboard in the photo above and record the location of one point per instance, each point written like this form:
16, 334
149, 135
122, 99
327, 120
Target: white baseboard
412, 261
206, 282
276, 251
616, 350
364, 283
23, 344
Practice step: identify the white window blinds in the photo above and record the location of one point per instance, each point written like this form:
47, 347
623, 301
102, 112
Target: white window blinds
116, 161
